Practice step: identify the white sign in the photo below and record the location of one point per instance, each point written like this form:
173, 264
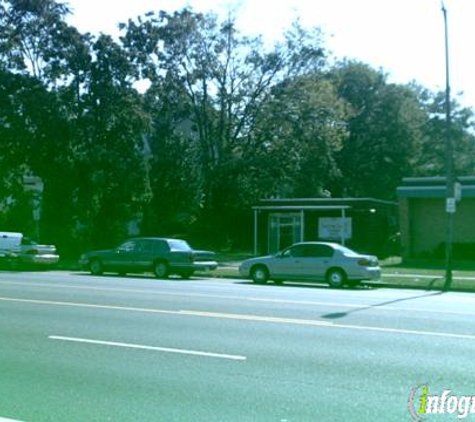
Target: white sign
450, 205
334, 228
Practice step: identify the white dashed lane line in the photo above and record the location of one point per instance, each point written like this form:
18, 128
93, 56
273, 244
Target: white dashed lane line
150, 348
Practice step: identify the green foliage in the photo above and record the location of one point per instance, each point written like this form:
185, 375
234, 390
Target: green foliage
385, 132
431, 159
302, 127
224, 122
220, 83
108, 153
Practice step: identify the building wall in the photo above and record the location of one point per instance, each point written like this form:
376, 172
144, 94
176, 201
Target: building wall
423, 225
464, 227
404, 228
427, 218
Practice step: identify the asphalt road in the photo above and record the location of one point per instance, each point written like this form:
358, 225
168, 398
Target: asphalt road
74, 347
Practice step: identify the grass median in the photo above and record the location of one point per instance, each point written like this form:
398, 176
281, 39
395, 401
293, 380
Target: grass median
427, 275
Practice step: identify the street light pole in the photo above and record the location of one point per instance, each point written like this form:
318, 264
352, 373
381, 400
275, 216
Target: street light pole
450, 196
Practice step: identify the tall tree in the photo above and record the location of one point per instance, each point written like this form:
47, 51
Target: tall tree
302, 127
385, 132
35, 39
431, 160
224, 79
18, 94
36, 50
82, 121
109, 154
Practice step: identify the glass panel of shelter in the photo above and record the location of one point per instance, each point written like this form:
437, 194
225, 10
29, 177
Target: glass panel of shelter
284, 230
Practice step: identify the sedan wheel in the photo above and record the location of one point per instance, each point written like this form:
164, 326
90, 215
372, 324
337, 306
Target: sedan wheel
260, 274
96, 267
336, 278
160, 269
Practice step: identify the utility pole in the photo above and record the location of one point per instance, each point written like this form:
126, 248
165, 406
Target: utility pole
449, 172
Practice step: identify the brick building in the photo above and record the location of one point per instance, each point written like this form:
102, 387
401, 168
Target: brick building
423, 218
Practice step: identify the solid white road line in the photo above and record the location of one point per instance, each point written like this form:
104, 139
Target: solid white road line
144, 347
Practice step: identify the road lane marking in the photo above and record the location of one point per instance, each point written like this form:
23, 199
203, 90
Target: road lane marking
370, 306
171, 312
89, 305
405, 331
320, 323
259, 318
256, 318
152, 348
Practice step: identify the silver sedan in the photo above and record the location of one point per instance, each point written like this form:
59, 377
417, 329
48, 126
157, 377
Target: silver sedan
313, 261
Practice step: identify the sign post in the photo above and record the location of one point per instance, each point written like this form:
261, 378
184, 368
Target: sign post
450, 202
